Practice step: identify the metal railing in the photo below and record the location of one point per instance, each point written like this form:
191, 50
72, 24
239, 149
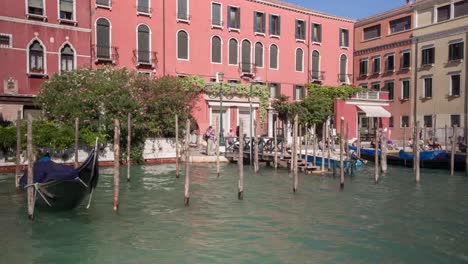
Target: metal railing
105, 53
317, 75
248, 68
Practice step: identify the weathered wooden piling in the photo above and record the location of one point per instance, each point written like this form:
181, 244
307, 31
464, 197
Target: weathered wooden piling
77, 136
177, 146
240, 193
347, 139
256, 165
299, 139
31, 159
376, 155
404, 138
330, 142
359, 143
116, 163
218, 136
341, 153
187, 164
314, 142
306, 139
129, 145
275, 141
295, 176
446, 137
324, 127
416, 156
18, 151
452, 152
383, 155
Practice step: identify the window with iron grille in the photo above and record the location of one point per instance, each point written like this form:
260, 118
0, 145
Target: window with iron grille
428, 56
275, 25
259, 22
216, 14
456, 51
182, 9
400, 24
233, 17
300, 29
5, 40
372, 32
316, 32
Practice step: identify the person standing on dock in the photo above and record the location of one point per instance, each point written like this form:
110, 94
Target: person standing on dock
210, 137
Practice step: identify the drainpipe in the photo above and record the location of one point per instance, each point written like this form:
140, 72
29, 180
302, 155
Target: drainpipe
164, 37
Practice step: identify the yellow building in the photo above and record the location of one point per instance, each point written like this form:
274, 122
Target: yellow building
440, 38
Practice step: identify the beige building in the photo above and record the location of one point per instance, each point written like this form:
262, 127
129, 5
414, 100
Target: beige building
440, 40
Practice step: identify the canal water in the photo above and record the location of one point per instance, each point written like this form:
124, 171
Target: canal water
395, 221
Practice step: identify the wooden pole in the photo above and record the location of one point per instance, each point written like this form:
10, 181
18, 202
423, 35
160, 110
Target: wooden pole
383, 158
417, 158
376, 155
256, 166
31, 195
18, 150
299, 139
324, 127
452, 152
347, 139
404, 138
116, 163
446, 137
217, 133
177, 145
275, 141
306, 148
424, 135
330, 142
341, 153
314, 142
240, 193
77, 135
129, 145
295, 177
359, 143
187, 163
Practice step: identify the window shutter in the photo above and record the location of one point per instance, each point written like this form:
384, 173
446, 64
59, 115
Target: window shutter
238, 18
246, 59
233, 51
299, 57
319, 33
264, 23
143, 44
295, 93
216, 15
279, 25
182, 9
66, 5
103, 38
346, 38
296, 30
341, 37
255, 20
461, 8
271, 25
35, 3
343, 61
315, 64
259, 54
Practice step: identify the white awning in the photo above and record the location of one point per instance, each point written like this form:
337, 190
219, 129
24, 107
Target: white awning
374, 111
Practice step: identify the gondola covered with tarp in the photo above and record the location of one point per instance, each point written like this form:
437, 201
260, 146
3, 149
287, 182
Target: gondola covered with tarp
62, 187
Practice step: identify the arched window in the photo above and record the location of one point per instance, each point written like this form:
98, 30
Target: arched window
315, 65
233, 52
343, 69
273, 57
299, 60
103, 47
246, 63
144, 49
259, 54
182, 45
67, 59
36, 58
216, 49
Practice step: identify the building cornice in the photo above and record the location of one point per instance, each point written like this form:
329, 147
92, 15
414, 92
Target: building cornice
43, 24
381, 16
440, 34
406, 42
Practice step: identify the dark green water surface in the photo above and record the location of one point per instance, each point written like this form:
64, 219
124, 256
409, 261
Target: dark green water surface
395, 221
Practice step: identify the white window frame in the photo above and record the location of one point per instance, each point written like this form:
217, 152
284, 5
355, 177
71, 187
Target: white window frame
61, 20
221, 15
143, 13
274, 35
150, 42
451, 83
227, 20
295, 58
380, 64
229, 52
44, 8
277, 57
402, 89
110, 36
367, 62
312, 33
305, 30
103, 6
349, 39
424, 96
10, 43
187, 14
211, 50
188, 45
44, 57
60, 56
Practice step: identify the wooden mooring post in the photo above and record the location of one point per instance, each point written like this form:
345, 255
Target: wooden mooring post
129, 145
177, 146
331, 143
376, 155
359, 143
404, 138
187, 163
295, 133
314, 142
18, 151
324, 127
31, 159
116, 163
341, 153
255, 142
383, 155
77, 136
218, 141
347, 140
240, 162
417, 164
452, 152
446, 137
306, 139
275, 142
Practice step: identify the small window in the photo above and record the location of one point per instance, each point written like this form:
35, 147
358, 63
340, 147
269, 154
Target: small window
275, 25
66, 9
36, 58
363, 64
299, 92
390, 87
67, 59
275, 90
405, 60
455, 120
376, 65
300, 29
274, 57
182, 45
216, 15
316, 66
391, 122
344, 37
372, 32
400, 24
299, 60
376, 86
259, 22
456, 51
233, 52
183, 9
216, 49
461, 8
364, 85
317, 33
144, 6
428, 120
106, 3
36, 7
233, 17
390, 63
455, 85
405, 121
259, 54
5, 41
428, 56
443, 13
427, 88
405, 89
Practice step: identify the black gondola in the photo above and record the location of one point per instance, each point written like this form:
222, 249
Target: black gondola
66, 193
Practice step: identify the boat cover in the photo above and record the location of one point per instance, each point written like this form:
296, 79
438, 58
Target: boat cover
47, 170
423, 155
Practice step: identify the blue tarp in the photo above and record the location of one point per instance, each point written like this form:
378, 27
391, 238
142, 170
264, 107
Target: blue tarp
423, 155
47, 170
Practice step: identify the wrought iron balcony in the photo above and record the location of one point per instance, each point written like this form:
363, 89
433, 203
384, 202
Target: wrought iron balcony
317, 76
144, 58
105, 54
345, 78
247, 68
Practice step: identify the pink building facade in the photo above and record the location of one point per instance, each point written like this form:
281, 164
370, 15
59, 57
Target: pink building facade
37, 39
278, 44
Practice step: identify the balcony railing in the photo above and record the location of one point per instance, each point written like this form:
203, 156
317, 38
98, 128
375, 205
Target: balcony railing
317, 75
103, 53
144, 58
372, 95
247, 68
344, 78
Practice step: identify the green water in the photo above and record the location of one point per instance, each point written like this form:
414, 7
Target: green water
395, 221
